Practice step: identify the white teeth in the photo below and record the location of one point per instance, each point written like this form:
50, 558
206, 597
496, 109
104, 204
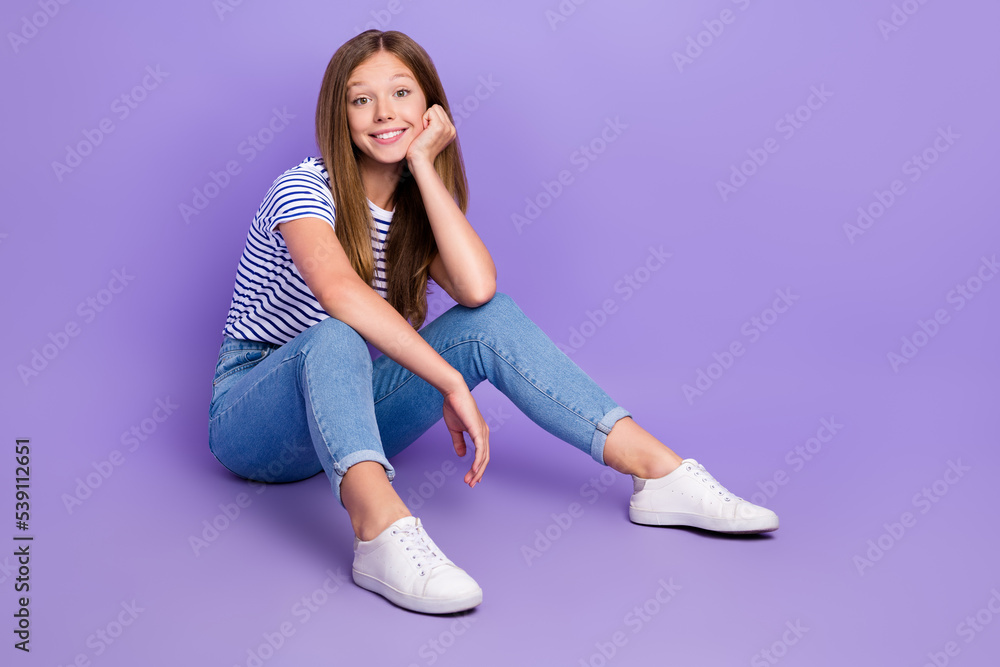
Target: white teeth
388, 135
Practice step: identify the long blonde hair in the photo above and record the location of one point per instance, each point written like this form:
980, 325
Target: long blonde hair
410, 247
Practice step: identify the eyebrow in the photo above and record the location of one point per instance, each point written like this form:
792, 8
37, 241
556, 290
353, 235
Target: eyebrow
399, 75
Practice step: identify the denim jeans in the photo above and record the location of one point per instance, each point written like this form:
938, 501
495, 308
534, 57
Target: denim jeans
320, 403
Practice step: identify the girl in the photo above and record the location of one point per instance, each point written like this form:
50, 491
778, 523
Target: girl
340, 253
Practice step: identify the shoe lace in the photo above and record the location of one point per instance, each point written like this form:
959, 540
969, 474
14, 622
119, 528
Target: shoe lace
706, 478
422, 551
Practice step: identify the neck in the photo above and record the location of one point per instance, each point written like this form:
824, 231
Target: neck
379, 181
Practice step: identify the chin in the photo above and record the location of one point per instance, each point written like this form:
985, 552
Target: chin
386, 161
390, 157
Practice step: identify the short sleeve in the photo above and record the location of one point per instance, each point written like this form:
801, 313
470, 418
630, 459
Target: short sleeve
298, 193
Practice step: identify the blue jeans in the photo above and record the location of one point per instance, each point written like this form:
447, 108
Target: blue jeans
319, 402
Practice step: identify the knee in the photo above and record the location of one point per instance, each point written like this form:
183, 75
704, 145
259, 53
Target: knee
333, 335
330, 328
501, 305
496, 312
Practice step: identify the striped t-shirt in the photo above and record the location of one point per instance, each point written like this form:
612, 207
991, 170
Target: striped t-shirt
271, 302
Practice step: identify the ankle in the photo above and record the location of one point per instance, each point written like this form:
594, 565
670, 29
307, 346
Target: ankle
656, 468
368, 527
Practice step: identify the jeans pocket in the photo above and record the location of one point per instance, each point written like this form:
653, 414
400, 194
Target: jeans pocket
235, 362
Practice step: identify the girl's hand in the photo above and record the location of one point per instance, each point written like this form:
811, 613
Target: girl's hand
461, 414
437, 132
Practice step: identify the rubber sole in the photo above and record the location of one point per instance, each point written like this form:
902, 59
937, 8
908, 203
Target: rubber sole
414, 603
733, 526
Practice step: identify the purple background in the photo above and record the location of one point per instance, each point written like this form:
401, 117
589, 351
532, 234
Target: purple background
554, 87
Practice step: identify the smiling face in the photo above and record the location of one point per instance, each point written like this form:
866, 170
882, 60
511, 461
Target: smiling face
385, 108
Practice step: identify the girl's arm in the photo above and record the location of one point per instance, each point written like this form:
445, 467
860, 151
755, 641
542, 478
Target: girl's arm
320, 258
463, 266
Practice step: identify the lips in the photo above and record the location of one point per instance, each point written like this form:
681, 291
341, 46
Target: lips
388, 136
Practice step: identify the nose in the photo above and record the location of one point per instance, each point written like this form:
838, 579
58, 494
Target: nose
384, 109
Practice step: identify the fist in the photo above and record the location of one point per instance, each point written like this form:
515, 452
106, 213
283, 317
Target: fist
437, 132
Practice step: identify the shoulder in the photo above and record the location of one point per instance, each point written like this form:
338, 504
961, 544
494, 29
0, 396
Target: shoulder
308, 179
310, 172
300, 191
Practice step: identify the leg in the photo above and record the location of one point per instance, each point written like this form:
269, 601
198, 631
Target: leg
370, 500
499, 343
282, 414
632, 450
285, 413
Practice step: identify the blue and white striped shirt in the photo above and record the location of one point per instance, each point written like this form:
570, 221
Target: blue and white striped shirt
271, 301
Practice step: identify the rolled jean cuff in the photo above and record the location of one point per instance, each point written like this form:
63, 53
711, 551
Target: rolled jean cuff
357, 457
601, 432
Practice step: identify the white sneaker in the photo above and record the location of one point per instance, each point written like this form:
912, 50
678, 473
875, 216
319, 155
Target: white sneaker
690, 496
404, 565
